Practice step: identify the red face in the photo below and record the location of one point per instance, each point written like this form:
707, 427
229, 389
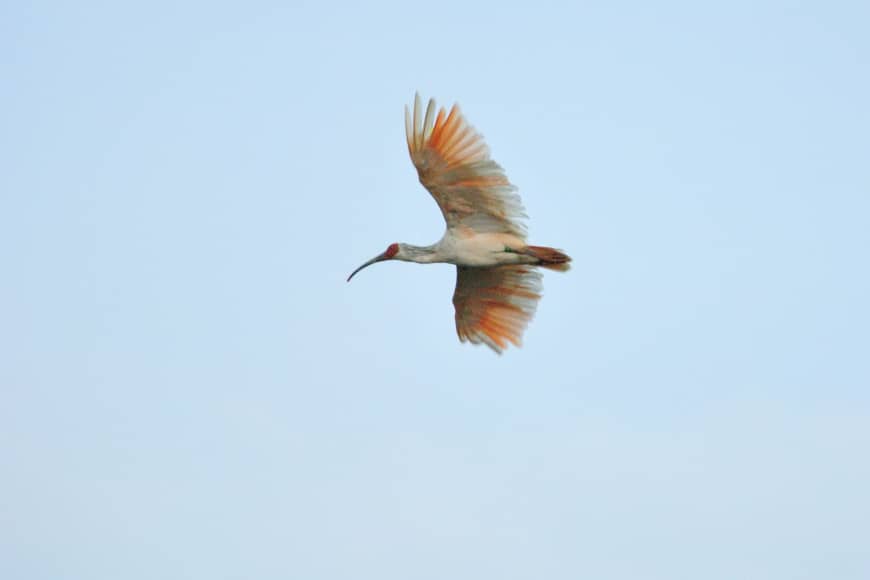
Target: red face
392, 250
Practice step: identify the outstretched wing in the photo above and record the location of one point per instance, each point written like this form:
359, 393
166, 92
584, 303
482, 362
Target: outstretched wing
453, 163
494, 305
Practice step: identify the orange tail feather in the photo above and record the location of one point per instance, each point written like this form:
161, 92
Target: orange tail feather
550, 258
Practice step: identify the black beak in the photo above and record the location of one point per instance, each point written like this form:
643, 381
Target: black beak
375, 260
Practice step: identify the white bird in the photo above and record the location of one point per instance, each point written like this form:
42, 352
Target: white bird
497, 286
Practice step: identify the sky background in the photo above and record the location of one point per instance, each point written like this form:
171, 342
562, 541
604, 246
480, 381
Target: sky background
189, 388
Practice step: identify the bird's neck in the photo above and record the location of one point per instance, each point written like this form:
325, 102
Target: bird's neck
419, 254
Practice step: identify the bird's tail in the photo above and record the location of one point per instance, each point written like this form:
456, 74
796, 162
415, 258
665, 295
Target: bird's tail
550, 258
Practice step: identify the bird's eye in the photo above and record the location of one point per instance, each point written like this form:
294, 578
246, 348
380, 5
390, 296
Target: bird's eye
392, 250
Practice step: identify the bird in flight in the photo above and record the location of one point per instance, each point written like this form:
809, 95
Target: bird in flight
497, 284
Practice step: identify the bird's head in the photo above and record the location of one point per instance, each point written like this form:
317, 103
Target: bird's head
391, 252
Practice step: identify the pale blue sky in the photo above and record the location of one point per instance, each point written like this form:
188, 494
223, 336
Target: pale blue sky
189, 389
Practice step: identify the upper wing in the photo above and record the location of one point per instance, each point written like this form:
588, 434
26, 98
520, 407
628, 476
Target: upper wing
494, 305
454, 165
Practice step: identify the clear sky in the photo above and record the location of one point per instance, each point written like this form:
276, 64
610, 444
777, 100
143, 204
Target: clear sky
189, 388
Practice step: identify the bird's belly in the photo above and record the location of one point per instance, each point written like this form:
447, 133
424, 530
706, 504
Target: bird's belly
485, 250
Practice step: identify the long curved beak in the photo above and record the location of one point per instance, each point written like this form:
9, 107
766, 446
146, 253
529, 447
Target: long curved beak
375, 260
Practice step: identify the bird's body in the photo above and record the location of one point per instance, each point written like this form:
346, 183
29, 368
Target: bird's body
467, 248
497, 288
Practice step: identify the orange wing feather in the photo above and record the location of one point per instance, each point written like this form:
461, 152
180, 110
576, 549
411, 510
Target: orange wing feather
494, 305
453, 163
